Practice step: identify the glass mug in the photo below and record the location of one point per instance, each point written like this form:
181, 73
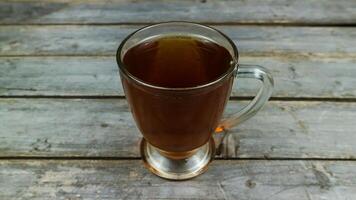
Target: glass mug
178, 123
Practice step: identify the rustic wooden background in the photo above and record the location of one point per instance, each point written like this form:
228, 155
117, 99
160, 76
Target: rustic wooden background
66, 131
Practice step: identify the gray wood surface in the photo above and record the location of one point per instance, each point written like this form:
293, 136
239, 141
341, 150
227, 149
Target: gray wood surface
113, 180
104, 127
98, 76
133, 11
79, 141
251, 40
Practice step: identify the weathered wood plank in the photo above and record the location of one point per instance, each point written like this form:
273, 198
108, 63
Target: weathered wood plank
251, 40
131, 11
244, 180
98, 76
59, 76
104, 127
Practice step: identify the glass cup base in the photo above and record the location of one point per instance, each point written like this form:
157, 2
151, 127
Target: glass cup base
164, 165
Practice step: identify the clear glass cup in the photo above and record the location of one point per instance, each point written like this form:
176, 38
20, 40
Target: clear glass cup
178, 123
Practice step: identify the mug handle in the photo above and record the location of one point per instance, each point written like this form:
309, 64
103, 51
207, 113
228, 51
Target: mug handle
265, 92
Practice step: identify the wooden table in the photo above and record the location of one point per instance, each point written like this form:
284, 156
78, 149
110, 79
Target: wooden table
66, 131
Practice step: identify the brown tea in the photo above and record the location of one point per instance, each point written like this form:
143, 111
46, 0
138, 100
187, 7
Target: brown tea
177, 62
171, 120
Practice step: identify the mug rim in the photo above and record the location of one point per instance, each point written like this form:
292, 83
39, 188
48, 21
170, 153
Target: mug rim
127, 74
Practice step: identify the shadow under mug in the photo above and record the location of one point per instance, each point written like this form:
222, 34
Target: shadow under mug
178, 123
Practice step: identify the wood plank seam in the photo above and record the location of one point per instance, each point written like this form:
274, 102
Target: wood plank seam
351, 24
139, 158
233, 98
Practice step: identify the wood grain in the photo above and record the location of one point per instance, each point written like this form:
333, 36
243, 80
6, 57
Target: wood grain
112, 180
104, 127
98, 76
133, 11
64, 48
251, 40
